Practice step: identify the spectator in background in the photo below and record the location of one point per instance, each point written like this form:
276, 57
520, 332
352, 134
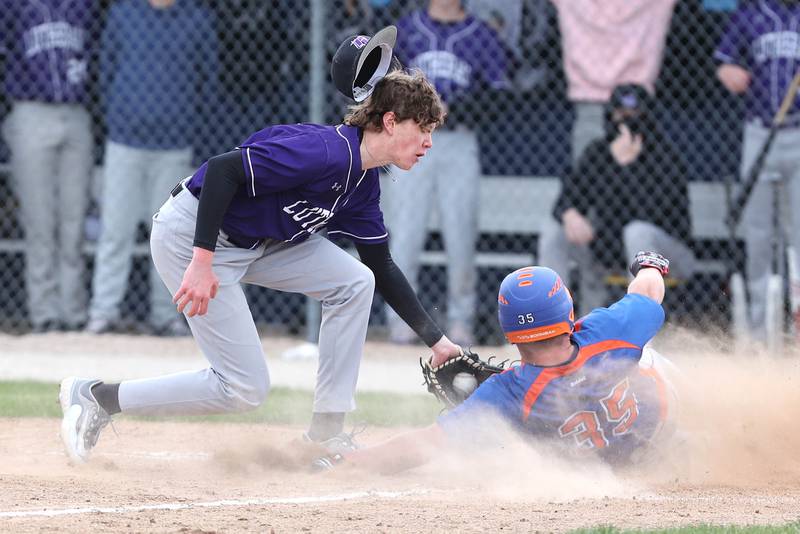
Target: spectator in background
249, 67
157, 68
759, 55
606, 44
47, 50
628, 192
465, 60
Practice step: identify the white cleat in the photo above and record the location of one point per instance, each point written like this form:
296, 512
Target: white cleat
83, 417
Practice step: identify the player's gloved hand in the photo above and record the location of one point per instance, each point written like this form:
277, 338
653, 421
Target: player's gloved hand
651, 260
444, 381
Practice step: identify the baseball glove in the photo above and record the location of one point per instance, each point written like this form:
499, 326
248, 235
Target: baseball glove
452, 391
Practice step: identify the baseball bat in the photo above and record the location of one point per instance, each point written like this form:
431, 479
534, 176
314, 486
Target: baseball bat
741, 199
736, 206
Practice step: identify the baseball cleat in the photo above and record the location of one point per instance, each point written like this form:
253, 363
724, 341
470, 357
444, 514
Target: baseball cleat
326, 463
337, 445
83, 417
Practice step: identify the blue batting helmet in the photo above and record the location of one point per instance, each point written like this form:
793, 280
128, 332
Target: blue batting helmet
534, 304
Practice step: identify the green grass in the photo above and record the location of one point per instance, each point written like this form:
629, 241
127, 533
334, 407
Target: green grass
791, 528
37, 399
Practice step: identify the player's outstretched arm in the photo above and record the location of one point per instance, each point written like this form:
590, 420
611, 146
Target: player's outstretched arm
399, 453
392, 284
649, 283
648, 270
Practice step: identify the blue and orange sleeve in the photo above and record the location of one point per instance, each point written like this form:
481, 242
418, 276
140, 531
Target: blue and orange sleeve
474, 418
634, 318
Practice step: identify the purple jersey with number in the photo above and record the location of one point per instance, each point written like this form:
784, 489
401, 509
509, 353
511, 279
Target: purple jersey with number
764, 38
456, 56
301, 178
46, 45
601, 400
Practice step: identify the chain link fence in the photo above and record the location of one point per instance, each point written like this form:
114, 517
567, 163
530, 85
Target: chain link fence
167, 86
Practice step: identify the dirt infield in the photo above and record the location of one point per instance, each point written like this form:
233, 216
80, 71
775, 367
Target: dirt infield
182, 477
736, 463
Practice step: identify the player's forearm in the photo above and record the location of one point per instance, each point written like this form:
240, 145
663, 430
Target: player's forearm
650, 283
224, 175
393, 286
399, 453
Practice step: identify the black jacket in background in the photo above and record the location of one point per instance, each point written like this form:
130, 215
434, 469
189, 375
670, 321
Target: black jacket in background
653, 188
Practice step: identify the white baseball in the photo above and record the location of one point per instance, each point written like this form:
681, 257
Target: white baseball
465, 383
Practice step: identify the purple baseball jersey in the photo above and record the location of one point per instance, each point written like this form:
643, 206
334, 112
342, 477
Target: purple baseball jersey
47, 45
457, 57
764, 38
300, 179
600, 401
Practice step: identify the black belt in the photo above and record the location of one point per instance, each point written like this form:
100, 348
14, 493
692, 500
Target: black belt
241, 242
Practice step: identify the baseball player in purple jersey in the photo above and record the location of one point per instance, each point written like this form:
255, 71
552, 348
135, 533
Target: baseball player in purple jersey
587, 386
759, 55
46, 47
255, 215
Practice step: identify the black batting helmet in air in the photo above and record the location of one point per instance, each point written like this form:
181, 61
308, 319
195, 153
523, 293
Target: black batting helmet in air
361, 61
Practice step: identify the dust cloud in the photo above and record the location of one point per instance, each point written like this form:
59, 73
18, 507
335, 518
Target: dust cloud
739, 413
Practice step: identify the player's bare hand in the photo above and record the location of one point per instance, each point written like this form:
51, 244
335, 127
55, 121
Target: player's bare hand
577, 228
443, 350
199, 284
735, 78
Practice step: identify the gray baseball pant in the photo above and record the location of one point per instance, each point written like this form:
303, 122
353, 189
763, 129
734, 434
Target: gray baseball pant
51, 167
447, 178
237, 378
557, 253
783, 163
134, 183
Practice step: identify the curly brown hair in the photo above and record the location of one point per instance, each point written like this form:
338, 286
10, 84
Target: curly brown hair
408, 94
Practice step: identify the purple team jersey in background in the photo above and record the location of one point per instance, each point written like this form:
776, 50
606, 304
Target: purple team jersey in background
457, 57
47, 47
764, 38
300, 179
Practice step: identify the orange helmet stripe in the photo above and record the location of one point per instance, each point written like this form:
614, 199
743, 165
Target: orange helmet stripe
539, 333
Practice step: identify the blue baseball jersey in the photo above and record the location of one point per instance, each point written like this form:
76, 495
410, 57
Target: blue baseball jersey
301, 178
764, 38
600, 400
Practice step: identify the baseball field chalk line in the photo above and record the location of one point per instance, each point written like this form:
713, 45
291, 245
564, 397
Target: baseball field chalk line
216, 504
149, 455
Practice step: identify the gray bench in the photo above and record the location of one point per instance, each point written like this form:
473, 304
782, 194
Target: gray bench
519, 204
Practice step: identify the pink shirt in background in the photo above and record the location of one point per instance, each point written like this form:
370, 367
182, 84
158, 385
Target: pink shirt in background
609, 42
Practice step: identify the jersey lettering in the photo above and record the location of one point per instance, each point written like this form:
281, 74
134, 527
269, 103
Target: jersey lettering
618, 406
585, 428
310, 218
621, 408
